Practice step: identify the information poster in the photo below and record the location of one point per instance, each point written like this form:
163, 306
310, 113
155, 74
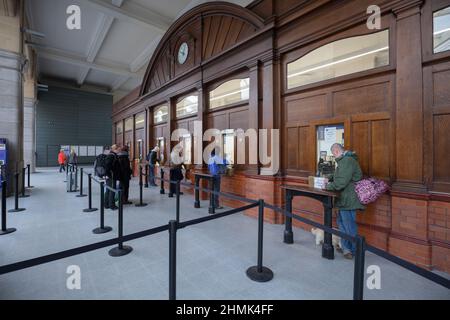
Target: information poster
83, 151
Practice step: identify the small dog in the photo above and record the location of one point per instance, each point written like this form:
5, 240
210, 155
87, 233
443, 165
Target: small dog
319, 238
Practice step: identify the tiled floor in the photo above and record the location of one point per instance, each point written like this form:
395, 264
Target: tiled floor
212, 257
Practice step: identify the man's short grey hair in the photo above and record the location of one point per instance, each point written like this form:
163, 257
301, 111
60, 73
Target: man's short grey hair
337, 146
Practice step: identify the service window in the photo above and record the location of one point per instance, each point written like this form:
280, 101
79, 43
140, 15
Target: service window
229, 137
187, 106
139, 121
186, 142
161, 114
327, 136
119, 127
441, 30
129, 124
230, 92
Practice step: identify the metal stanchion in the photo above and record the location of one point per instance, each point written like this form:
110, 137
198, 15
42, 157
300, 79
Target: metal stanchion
146, 175
23, 195
260, 273
358, 281
212, 205
141, 203
121, 250
29, 177
102, 228
90, 209
161, 191
178, 201
173, 226
16, 195
4, 229
81, 195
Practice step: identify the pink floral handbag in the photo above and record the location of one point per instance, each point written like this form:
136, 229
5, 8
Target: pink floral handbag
370, 189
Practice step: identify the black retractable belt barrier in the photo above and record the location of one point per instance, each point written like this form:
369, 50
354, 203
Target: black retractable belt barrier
146, 175
141, 203
16, 195
23, 195
90, 209
260, 273
4, 230
102, 228
29, 177
121, 250
81, 195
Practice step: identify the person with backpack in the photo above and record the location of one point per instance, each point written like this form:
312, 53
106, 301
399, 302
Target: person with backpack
216, 166
347, 173
111, 173
152, 159
125, 172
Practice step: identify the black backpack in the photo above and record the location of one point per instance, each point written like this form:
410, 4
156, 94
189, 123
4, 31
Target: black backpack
100, 165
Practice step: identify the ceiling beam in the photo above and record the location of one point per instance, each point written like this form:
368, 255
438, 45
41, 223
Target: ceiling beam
117, 3
135, 14
143, 58
62, 56
96, 43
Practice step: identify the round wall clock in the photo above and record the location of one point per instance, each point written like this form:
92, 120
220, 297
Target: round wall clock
183, 53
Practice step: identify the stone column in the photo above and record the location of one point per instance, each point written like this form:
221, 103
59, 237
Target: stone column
29, 133
11, 110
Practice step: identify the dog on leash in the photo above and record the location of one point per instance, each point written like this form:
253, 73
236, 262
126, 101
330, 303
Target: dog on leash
319, 234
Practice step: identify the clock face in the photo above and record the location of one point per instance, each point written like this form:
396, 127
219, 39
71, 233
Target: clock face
183, 53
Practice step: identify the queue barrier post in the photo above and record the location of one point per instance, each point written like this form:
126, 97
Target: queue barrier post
141, 191
5, 229
260, 273
102, 229
29, 177
146, 175
178, 201
120, 250
173, 226
90, 209
358, 281
162, 191
16, 195
81, 195
23, 195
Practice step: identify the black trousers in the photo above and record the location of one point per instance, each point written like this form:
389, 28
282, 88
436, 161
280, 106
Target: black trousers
62, 168
109, 195
125, 186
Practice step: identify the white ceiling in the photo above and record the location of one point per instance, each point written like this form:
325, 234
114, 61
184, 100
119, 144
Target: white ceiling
113, 47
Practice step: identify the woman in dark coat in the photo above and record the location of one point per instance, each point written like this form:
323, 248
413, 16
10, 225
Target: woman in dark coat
124, 173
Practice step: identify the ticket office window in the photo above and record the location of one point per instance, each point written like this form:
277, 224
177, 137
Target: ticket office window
229, 145
161, 144
441, 30
186, 143
140, 149
327, 135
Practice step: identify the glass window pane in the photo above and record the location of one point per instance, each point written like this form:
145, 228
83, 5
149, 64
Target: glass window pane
119, 127
140, 121
187, 149
441, 30
340, 58
188, 105
228, 145
161, 114
326, 137
129, 124
230, 92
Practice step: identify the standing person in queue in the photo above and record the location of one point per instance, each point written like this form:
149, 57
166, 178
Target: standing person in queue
216, 166
62, 160
152, 159
112, 172
347, 173
125, 172
73, 159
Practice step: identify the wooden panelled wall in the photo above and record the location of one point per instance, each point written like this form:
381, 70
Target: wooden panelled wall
396, 117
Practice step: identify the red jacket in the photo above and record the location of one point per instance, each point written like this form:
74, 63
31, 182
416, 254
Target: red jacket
61, 158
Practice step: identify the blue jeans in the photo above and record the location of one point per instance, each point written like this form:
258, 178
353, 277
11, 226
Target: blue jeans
151, 174
216, 188
346, 220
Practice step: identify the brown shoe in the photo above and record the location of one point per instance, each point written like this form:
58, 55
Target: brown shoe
339, 249
348, 255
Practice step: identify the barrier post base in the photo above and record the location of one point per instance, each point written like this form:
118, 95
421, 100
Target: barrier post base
17, 210
197, 204
90, 210
288, 237
7, 231
118, 252
264, 276
328, 251
30, 187
102, 230
81, 195
24, 196
141, 205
